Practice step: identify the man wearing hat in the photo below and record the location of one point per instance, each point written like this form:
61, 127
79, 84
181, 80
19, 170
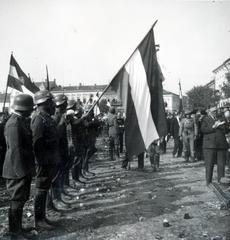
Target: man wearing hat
19, 165
188, 133
46, 150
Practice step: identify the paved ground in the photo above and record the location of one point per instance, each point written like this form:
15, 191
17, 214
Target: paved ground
120, 204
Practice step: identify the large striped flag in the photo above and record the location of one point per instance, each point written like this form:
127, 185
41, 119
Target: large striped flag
139, 87
18, 80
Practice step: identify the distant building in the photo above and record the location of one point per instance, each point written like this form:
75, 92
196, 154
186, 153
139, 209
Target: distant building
171, 101
211, 85
221, 74
86, 91
43, 85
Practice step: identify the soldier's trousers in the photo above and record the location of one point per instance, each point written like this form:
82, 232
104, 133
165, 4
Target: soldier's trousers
154, 155
212, 156
178, 146
113, 147
19, 190
121, 137
188, 144
140, 159
44, 177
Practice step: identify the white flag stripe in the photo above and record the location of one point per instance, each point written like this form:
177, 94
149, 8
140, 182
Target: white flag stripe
13, 72
141, 98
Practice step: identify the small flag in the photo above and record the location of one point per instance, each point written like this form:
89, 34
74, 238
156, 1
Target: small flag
18, 80
139, 87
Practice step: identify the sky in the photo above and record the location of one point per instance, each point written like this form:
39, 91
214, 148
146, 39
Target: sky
87, 41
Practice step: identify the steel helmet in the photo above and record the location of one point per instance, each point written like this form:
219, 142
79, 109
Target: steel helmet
42, 96
71, 104
60, 99
23, 102
112, 110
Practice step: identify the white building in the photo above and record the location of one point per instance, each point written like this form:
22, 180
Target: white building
221, 74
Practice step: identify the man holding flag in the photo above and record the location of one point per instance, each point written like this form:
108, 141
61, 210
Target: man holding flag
139, 86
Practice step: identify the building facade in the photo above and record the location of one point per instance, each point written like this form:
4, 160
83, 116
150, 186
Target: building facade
92, 91
222, 74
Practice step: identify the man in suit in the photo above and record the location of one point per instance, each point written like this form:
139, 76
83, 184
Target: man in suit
174, 131
214, 145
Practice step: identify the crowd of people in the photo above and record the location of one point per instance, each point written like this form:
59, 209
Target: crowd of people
202, 135
51, 139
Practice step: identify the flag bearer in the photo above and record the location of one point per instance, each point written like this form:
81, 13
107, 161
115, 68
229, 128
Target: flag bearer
19, 165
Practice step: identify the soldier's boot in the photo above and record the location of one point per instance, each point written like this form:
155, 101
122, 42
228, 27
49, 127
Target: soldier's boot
186, 156
111, 154
157, 160
40, 211
141, 161
117, 152
15, 225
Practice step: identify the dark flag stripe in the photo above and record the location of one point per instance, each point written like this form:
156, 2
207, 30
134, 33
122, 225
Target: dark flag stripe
133, 138
14, 83
154, 79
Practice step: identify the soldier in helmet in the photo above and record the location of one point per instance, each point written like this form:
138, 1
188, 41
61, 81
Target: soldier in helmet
46, 150
19, 165
58, 185
113, 133
79, 142
188, 133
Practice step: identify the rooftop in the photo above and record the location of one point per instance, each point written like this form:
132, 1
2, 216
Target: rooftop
225, 63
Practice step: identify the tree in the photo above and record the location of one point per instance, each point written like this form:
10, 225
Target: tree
202, 97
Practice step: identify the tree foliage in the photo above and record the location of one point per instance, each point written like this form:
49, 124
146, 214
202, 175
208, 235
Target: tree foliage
202, 97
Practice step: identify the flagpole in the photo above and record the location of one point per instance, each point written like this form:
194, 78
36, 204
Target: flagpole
4, 103
180, 94
107, 87
47, 79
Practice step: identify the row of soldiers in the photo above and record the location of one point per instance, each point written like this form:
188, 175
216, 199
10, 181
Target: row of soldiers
46, 142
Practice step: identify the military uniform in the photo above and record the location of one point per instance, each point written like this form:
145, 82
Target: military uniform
58, 185
113, 135
121, 129
79, 142
19, 165
188, 131
2, 144
46, 148
92, 126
